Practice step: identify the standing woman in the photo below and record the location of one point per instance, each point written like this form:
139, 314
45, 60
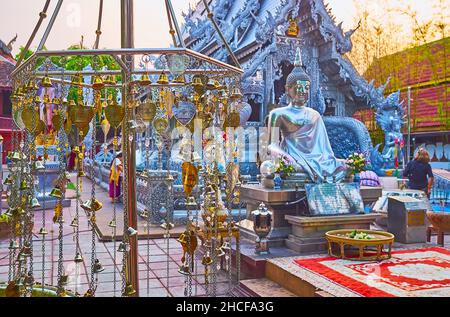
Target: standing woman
419, 172
115, 177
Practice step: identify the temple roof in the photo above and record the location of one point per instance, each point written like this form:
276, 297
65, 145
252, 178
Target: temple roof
7, 64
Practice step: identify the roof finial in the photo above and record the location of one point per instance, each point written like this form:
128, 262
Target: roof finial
298, 58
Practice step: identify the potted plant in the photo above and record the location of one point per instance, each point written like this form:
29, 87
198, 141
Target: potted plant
284, 168
357, 163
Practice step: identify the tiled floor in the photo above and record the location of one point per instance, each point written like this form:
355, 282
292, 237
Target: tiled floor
152, 267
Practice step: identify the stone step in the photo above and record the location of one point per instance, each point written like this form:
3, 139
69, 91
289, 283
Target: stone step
264, 287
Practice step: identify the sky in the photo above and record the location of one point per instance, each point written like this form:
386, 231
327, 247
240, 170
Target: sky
79, 17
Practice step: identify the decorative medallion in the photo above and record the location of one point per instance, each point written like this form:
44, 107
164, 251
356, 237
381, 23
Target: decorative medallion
184, 112
189, 177
114, 114
147, 111
160, 125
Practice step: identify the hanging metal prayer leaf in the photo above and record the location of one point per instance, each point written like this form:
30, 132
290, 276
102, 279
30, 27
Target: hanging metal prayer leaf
114, 113
168, 101
232, 175
67, 125
184, 112
233, 120
105, 126
56, 121
147, 111
40, 128
81, 115
177, 64
17, 117
160, 125
29, 118
189, 177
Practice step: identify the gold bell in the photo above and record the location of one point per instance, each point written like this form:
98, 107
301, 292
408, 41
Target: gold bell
206, 260
56, 192
167, 226
144, 214
220, 252
13, 245
98, 83
74, 223
123, 247
78, 258
112, 224
46, 82
182, 239
197, 82
110, 80
98, 267
77, 80
191, 202
34, 203
81, 173
8, 181
163, 80
46, 100
56, 101
145, 80
129, 290
236, 93
38, 166
63, 280
28, 280
92, 205
184, 269
43, 231
213, 84
24, 185
226, 245
31, 86
15, 156
180, 79
131, 231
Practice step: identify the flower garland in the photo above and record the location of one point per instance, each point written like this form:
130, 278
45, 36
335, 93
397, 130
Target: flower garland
357, 162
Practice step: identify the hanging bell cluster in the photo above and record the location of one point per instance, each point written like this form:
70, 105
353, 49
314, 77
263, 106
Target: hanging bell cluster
92, 205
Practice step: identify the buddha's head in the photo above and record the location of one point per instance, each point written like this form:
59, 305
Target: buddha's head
298, 82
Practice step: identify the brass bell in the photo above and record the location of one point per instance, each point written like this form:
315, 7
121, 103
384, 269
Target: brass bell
191, 202
74, 223
98, 83
46, 82
180, 79
129, 290
15, 156
112, 224
163, 80
131, 231
38, 166
34, 203
81, 173
182, 238
24, 185
123, 247
46, 100
206, 260
26, 250
184, 269
56, 192
28, 280
77, 80
78, 258
13, 245
226, 245
31, 86
220, 252
8, 181
145, 80
92, 205
197, 82
98, 267
167, 226
72, 103
110, 80
144, 214
43, 231
63, 280
236, 93
212, 84
56, 101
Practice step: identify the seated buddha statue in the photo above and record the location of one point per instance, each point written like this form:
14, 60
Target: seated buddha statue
304, 139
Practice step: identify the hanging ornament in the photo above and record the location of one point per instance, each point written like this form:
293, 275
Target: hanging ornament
189, 177
114, 114
160, 125
184, 112
147, 111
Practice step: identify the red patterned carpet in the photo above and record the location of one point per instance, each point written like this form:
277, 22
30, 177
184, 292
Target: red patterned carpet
413, 272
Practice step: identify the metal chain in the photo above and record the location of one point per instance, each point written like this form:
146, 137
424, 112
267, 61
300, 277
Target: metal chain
114, 229
93, 218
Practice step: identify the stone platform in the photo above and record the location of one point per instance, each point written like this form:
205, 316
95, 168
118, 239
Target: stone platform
308, 233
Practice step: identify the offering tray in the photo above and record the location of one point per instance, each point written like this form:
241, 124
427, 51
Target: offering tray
367, 249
